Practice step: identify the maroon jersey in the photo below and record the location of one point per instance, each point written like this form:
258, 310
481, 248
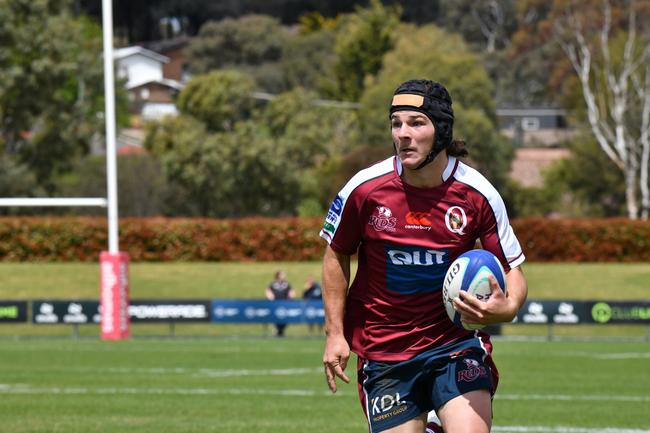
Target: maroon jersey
406, 238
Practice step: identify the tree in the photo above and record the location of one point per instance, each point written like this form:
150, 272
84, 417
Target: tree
614, 74
308, 60
251, 43
310, 133
16, 180
142, 188
534, 70
361, 42
218, 99
237, 173
51, 92
488, 24
588, 182
250, 40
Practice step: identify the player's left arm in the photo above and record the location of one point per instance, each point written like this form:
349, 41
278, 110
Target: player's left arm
497, 236
501, 307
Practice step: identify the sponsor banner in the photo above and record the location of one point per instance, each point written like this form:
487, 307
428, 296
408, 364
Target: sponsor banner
142, 311
553, 312
619, 312
169, 311
74, 312
583, 312
114, 295
262, 311
13, 311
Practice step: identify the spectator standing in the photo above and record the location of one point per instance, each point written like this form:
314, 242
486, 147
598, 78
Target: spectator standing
312, 292
279, 290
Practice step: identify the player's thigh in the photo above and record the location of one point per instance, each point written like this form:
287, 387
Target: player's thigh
467, 413
415, 425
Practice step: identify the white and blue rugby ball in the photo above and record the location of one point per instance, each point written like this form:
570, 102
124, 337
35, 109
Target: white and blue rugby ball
470, 273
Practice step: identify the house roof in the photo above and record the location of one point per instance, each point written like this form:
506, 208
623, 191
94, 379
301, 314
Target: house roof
122, 53
162, 81
165, 45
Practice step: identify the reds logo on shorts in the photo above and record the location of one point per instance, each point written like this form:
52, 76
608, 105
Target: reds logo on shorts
473, 371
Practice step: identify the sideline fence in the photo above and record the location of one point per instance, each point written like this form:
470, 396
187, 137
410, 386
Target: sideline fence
77, 312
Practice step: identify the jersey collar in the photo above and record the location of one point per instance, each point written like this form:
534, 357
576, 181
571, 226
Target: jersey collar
452, 162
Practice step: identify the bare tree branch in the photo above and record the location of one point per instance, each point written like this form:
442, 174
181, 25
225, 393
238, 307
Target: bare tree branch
616, 93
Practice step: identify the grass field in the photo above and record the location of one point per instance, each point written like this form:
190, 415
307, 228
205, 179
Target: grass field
276, 386
248, 280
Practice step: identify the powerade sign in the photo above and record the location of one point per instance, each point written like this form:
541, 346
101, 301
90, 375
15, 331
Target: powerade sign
253, 311
143, 311
169, 311
583, 312
13, 311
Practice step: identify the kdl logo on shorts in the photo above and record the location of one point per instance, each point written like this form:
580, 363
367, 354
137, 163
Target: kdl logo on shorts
386, 403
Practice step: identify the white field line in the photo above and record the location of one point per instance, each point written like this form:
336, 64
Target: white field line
172, 349
562, 429
563, 397
28, 389
622, 355
211, 372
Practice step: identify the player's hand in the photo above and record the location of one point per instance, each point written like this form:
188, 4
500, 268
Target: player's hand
497, 309
335, 359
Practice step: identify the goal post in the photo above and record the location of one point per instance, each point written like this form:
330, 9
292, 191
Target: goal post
114, 265
114, 273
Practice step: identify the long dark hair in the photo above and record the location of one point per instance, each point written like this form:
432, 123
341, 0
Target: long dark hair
458, 148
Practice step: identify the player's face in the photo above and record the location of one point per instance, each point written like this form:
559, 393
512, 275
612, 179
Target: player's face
413, 134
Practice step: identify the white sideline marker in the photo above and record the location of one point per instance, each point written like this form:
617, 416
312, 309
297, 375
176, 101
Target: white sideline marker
22, 389
59, 201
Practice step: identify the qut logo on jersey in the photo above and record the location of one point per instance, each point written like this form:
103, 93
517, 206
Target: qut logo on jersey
411, 269
418, 258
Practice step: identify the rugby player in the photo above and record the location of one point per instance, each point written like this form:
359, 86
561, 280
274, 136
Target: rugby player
408, 217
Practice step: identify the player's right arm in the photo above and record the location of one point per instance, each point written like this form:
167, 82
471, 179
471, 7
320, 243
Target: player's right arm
336, 279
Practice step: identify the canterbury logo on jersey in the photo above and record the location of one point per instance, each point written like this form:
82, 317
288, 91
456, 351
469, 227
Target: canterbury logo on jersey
418, 221
419, 218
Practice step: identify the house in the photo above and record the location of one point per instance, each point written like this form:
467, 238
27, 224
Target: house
151, 95
534, 126
529, 163
139, 65
177, 68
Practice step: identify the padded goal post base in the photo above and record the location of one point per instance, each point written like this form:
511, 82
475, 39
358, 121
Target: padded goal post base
114, 295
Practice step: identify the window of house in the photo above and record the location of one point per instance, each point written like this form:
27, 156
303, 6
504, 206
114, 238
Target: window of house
530, 123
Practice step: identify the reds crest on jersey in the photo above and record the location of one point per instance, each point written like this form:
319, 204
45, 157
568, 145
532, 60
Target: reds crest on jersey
383, 219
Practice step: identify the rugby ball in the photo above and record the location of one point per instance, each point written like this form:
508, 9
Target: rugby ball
470, 273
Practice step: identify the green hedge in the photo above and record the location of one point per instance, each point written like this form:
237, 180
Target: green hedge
289, 239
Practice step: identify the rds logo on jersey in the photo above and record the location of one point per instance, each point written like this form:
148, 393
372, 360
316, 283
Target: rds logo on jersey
383, 219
